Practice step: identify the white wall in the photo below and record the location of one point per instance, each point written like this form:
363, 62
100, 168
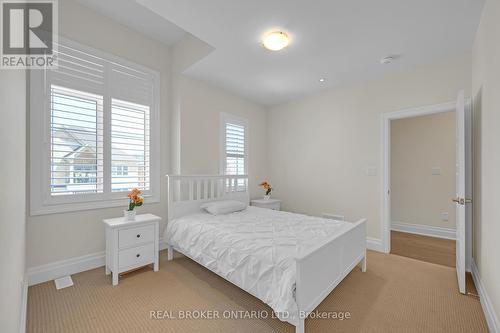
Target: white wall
486, 111
419, 144
185, 53
320, 146
61, 236
201, 105
13, 203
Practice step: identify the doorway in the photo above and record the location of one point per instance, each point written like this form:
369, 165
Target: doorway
461, 111
422, 177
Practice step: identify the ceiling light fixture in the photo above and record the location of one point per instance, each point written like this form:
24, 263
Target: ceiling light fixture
276, 40
322, 80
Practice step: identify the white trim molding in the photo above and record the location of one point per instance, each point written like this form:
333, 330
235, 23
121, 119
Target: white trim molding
374, 244
57, 269
489, 311
425, 230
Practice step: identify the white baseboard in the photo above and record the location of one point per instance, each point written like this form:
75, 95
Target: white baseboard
489, 312
57, 269
24, 307
424, 230
374, 244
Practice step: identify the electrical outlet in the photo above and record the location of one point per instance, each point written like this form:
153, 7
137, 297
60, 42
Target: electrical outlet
445, 216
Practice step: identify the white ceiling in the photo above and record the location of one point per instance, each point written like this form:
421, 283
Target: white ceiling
137, 17
340, 40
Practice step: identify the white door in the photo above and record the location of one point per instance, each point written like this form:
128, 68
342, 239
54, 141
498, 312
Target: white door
460, 191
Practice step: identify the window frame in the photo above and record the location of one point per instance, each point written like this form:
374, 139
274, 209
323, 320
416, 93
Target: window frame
232, 119
41, 200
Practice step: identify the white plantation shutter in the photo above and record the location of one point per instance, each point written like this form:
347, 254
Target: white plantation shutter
78, 69
130, 146
94, 129
235, 149
130, 84
76, 146
131, 100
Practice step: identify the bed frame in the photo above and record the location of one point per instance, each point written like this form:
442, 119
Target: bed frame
318, 272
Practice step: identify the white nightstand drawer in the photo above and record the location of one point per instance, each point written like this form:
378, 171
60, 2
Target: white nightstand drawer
135, 236
136, 257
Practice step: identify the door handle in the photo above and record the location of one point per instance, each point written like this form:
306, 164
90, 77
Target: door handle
460, 201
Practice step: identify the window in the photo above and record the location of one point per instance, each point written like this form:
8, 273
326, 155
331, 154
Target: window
94, 129
119, 170
129, 146
234, 146
76, 157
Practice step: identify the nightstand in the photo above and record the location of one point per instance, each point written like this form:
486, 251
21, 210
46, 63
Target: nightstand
131, 244
273, 204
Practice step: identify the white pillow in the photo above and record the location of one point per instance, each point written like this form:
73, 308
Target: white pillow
223, 207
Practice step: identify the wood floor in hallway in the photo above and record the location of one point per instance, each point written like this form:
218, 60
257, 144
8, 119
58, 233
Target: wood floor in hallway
429, 249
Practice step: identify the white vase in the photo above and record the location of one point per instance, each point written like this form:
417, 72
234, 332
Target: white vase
267, 197
129, 215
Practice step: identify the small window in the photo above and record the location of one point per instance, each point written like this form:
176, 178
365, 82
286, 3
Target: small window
234, 146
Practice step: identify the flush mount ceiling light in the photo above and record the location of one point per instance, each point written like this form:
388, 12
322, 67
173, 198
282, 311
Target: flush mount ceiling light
276, 40
322, 80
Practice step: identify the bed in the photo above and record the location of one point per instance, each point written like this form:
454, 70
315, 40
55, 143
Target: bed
289, 261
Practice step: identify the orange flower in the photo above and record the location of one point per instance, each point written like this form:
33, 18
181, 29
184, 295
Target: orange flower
134, 193
266, 187
135, 199
138, 199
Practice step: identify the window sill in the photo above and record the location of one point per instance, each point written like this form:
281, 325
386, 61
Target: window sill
88, 205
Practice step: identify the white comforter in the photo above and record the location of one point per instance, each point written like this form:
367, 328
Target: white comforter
254, 249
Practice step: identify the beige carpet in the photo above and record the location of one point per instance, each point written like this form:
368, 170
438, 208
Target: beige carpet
396, 294
431, 249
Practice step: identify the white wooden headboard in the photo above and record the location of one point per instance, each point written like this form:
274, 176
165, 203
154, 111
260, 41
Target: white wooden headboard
187, 193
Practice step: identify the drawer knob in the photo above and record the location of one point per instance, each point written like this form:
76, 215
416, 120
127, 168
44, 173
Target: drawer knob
137, 255
138, 235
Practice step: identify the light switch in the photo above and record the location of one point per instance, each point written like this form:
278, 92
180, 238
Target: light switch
371, 171
436, 171
445, 216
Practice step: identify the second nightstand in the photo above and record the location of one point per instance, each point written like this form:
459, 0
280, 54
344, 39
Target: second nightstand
273, 204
